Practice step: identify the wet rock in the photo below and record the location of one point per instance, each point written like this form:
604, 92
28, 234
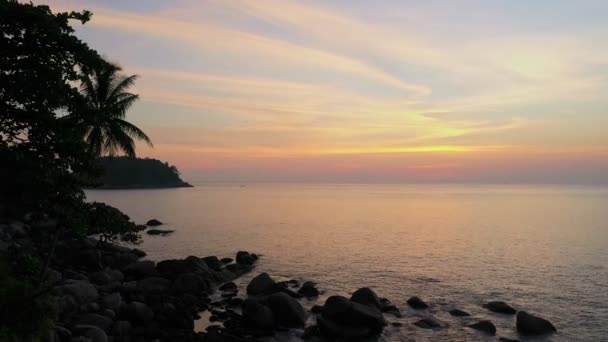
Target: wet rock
428, 323
257, 317
459, 313
213, 262
153, 223
484, 326
287, 311
367, 297
141, 269
309, 290
528, 324
417, 303
226, 260
162, 232
244, 258
392, 310
230, 286
506, 339
500, 307
262, 284
342, 318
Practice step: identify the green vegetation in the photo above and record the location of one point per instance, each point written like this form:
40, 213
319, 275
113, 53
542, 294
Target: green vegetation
124, 172
61, 106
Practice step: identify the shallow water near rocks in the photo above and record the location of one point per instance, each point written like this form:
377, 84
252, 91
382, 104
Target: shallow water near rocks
543, 249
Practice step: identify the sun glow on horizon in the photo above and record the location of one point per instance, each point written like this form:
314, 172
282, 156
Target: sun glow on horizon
297, 89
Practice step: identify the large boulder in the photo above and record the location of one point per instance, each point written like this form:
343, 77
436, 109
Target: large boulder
153, 223
83, 291
244, 258
213, 262
261, 285
153, 285
417, 303
343, 318
309, 290
190, 283
257, 317
287, 311
500, 307
141, 269
484, 326
366, 296
138, 312
528, 324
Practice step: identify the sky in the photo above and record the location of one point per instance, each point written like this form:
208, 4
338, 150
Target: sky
365, 91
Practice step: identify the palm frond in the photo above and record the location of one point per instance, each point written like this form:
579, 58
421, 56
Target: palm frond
134, 131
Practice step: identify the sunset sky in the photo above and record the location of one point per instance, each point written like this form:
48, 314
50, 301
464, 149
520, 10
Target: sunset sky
474, 91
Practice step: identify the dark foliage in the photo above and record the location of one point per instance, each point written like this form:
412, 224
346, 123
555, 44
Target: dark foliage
41, 63
111, 224
124, 172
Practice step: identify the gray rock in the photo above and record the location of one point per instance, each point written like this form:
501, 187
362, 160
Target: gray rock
100, 278
141, 269
500, 307
244, 258
367, 297
112, 301
153, 223
342, 318
190, 283
83, 291
161, 232
111, 314
138, 312
428, 323
102, 322
121, 330
484, 326
459, 313
213, 262
257, 317
262, 284
93, 333
309, 290
287, 311
153, 285
417, 303
91, 307
528, 324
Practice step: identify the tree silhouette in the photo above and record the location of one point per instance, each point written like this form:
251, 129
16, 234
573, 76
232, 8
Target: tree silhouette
103, 125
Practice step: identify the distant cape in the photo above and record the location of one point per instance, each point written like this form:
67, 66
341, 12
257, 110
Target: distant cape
137, 173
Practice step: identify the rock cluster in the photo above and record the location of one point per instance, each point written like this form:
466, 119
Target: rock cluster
107, 293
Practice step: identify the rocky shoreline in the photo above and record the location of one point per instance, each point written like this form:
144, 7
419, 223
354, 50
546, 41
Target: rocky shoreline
106, 292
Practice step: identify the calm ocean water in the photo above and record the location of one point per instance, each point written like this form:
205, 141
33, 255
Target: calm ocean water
543, 249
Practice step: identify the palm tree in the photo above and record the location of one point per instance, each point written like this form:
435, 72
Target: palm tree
103, 124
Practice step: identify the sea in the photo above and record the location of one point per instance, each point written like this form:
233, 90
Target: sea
540, 248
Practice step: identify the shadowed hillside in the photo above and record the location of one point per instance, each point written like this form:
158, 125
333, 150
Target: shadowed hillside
125, 172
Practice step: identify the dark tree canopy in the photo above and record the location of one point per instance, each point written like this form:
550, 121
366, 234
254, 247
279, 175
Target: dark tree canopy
41, 64
124, 172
